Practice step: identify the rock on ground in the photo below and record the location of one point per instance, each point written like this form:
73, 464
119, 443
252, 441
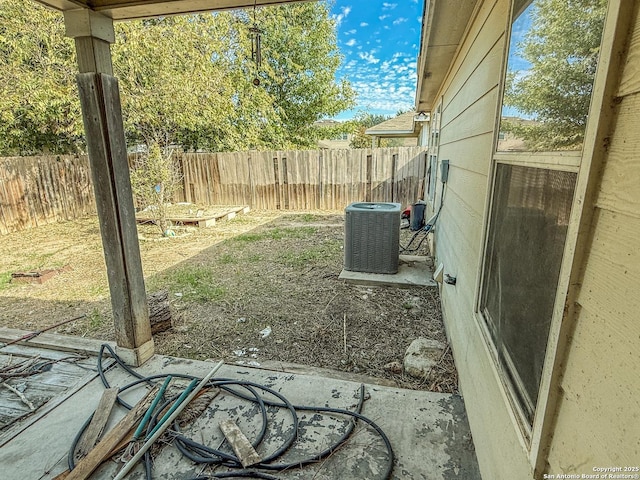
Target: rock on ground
421, 356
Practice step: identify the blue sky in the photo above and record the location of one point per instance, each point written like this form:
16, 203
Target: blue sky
516, 63
379, 41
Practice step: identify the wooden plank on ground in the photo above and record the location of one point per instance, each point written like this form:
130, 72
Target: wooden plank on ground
98, 421
104, 449
55, 342
240, 444
204, 221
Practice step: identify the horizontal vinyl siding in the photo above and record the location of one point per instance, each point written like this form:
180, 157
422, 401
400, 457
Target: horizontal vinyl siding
470, 97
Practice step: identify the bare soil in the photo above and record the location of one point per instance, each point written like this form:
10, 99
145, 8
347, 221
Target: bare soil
261, 287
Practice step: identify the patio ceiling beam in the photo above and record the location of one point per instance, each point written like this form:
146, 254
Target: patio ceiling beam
132, 9
101, 111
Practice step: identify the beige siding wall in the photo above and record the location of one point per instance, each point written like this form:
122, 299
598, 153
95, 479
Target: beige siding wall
597, 419
470, 96
598, 422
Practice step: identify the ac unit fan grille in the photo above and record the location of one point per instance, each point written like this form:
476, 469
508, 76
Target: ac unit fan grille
372, 237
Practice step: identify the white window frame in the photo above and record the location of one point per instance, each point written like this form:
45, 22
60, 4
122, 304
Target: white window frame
433, 154
536, 438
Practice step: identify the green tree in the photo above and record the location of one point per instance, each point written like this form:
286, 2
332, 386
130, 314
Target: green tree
181, 86
300, 60
562, 47
360, 123
39, 106
185, 80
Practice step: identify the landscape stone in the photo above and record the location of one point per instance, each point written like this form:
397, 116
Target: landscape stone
421, 356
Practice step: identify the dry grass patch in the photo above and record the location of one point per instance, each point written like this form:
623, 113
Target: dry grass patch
229, 285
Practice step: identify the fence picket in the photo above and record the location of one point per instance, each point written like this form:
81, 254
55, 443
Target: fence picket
39, 190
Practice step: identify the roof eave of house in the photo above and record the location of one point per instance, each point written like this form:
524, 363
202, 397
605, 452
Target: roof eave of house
444, 23
132, 9
403, 125
391, 133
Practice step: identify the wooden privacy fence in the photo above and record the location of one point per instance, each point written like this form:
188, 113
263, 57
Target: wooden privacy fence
304, 179
39, 190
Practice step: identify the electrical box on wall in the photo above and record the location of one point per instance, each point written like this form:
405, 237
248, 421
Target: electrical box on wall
444, 171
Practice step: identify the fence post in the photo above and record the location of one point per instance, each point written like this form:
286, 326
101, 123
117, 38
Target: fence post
252, 190
285, 183
423, 176
276, 174
394, 166
320, 186
368, 187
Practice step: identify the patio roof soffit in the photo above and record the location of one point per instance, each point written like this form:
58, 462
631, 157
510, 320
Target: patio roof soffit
444, 23
132, 9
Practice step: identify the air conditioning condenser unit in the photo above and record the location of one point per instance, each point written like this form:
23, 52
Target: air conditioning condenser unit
372, 237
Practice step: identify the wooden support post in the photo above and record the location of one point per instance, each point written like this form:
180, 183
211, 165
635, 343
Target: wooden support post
100, 100
93, 33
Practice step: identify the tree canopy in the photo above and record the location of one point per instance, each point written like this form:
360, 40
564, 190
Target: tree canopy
562, 48
39, 106
300, 75
184, 80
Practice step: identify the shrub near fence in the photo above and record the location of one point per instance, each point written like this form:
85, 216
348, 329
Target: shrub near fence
40, 190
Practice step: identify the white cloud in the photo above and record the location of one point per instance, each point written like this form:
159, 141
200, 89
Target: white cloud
385, 82
344, 12
369, 57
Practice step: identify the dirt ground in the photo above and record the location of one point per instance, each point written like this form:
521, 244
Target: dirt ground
261, 287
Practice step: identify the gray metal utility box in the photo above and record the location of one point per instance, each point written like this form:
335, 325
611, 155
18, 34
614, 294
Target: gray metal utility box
372, 237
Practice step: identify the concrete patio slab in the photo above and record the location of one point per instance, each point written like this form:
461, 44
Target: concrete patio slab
413, 271
428, 431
